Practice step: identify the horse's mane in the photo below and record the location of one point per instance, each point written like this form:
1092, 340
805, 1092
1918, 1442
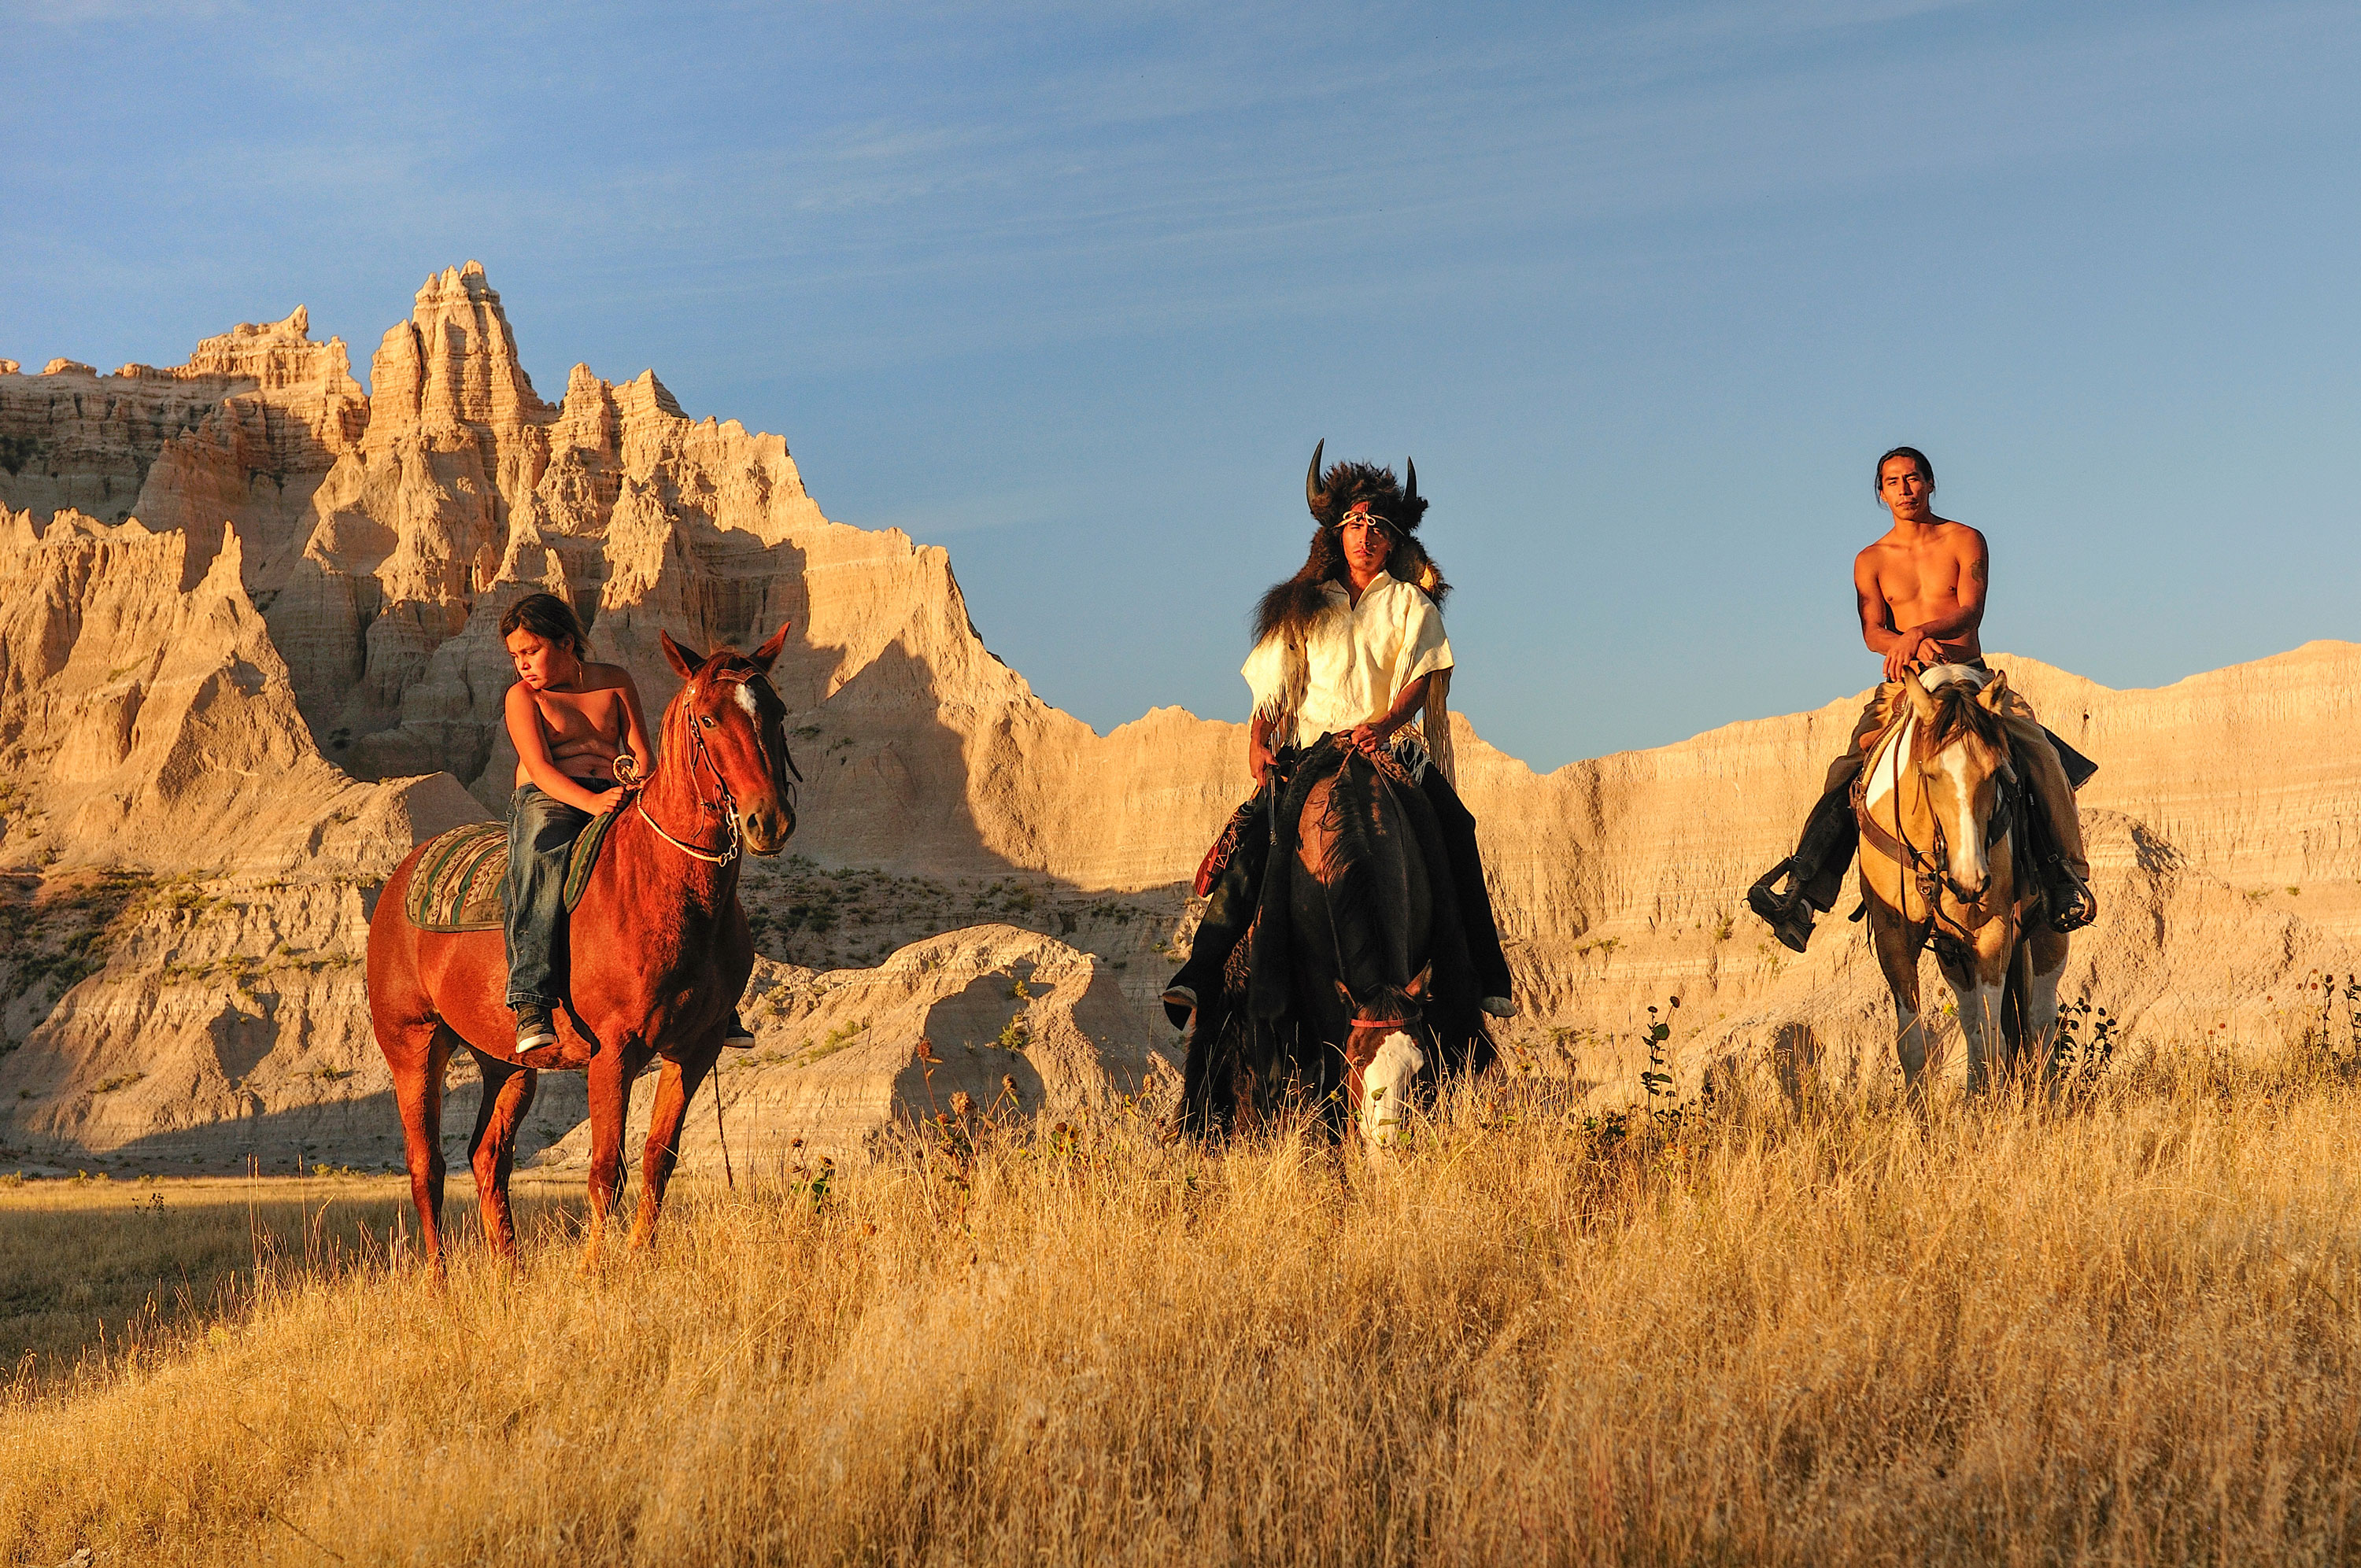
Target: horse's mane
1350, 868
1957, 713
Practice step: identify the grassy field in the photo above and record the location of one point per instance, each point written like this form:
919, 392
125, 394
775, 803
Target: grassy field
2120, 1330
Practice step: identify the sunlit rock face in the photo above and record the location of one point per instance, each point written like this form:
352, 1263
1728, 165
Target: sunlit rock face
249, 654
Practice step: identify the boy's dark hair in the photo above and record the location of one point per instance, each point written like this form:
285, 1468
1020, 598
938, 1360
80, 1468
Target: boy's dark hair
546, 615
1926, 469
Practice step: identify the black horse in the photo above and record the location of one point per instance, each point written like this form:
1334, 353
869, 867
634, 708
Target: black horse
1353, 989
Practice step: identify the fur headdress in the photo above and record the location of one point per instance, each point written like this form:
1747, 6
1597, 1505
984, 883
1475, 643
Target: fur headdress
1290, 607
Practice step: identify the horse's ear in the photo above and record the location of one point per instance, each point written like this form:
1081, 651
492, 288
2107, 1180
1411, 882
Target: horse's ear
1922, 701
768, 654
680, 658
1416, 988
1352, 1008
1994, 694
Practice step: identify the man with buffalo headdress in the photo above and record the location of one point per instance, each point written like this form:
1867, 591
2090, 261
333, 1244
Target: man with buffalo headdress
1351, 646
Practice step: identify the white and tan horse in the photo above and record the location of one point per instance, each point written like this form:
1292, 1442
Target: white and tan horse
1940, 809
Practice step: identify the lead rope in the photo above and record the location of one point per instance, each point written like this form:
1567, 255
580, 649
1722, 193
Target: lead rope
721, 1133
728, 802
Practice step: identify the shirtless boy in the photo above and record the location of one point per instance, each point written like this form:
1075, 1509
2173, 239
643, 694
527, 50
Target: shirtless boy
1920, 590
569, 719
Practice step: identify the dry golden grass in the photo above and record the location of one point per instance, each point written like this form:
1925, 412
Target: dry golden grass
2125, 1331
95, 1266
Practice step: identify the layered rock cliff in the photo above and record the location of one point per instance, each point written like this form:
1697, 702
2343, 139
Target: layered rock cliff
248, 653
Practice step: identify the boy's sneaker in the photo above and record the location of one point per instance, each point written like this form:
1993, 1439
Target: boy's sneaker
738, 1038
535, 1027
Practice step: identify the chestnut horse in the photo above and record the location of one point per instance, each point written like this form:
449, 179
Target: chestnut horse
659, 954
1940, 809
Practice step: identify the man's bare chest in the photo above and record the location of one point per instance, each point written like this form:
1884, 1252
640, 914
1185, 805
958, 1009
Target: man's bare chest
1905, 578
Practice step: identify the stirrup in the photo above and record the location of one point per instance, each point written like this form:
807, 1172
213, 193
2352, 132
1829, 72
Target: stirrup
1766, 900
1787, 913
2081, 911
737, 1037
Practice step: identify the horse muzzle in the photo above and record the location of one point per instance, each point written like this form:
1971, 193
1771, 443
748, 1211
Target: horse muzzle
765, 829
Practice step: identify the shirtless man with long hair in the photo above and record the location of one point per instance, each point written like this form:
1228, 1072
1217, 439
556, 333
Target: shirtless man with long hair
1920, 590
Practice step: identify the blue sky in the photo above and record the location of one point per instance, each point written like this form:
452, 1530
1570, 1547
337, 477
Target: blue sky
1072, 290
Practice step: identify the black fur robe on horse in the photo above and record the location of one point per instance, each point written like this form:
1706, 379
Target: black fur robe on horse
1353, 984
1268, 1011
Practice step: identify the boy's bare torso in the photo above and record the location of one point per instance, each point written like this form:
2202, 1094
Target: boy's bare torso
585, 729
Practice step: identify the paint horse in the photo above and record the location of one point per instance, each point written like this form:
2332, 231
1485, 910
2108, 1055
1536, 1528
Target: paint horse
1355, 1024
659, 953
1942, 810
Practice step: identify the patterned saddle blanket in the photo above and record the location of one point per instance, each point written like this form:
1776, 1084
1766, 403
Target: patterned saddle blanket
455, 886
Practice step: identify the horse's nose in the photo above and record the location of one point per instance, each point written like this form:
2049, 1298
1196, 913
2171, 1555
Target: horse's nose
766, 829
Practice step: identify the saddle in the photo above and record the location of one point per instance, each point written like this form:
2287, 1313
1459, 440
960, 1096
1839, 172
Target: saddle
456, 884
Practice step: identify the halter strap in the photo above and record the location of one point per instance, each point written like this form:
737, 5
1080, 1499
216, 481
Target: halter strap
697, 753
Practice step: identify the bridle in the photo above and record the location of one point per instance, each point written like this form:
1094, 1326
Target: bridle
1928, 869
699, 755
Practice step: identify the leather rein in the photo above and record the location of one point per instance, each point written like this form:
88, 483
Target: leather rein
1387, 769
726, 805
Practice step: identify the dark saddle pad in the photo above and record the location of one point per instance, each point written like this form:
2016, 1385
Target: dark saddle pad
455, 886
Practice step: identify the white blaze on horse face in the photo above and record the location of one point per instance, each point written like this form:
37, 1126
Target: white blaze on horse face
1970, 866
745, 695
1386, 1085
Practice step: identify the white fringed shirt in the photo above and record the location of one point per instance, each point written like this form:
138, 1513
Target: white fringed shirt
1355, 661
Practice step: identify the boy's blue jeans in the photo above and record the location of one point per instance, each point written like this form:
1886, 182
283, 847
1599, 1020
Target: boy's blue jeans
541, 831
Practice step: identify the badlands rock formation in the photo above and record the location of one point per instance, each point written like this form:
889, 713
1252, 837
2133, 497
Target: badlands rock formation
248, 653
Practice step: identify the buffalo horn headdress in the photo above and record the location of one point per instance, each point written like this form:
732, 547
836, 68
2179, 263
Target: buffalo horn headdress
1290, 607
1343, 490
